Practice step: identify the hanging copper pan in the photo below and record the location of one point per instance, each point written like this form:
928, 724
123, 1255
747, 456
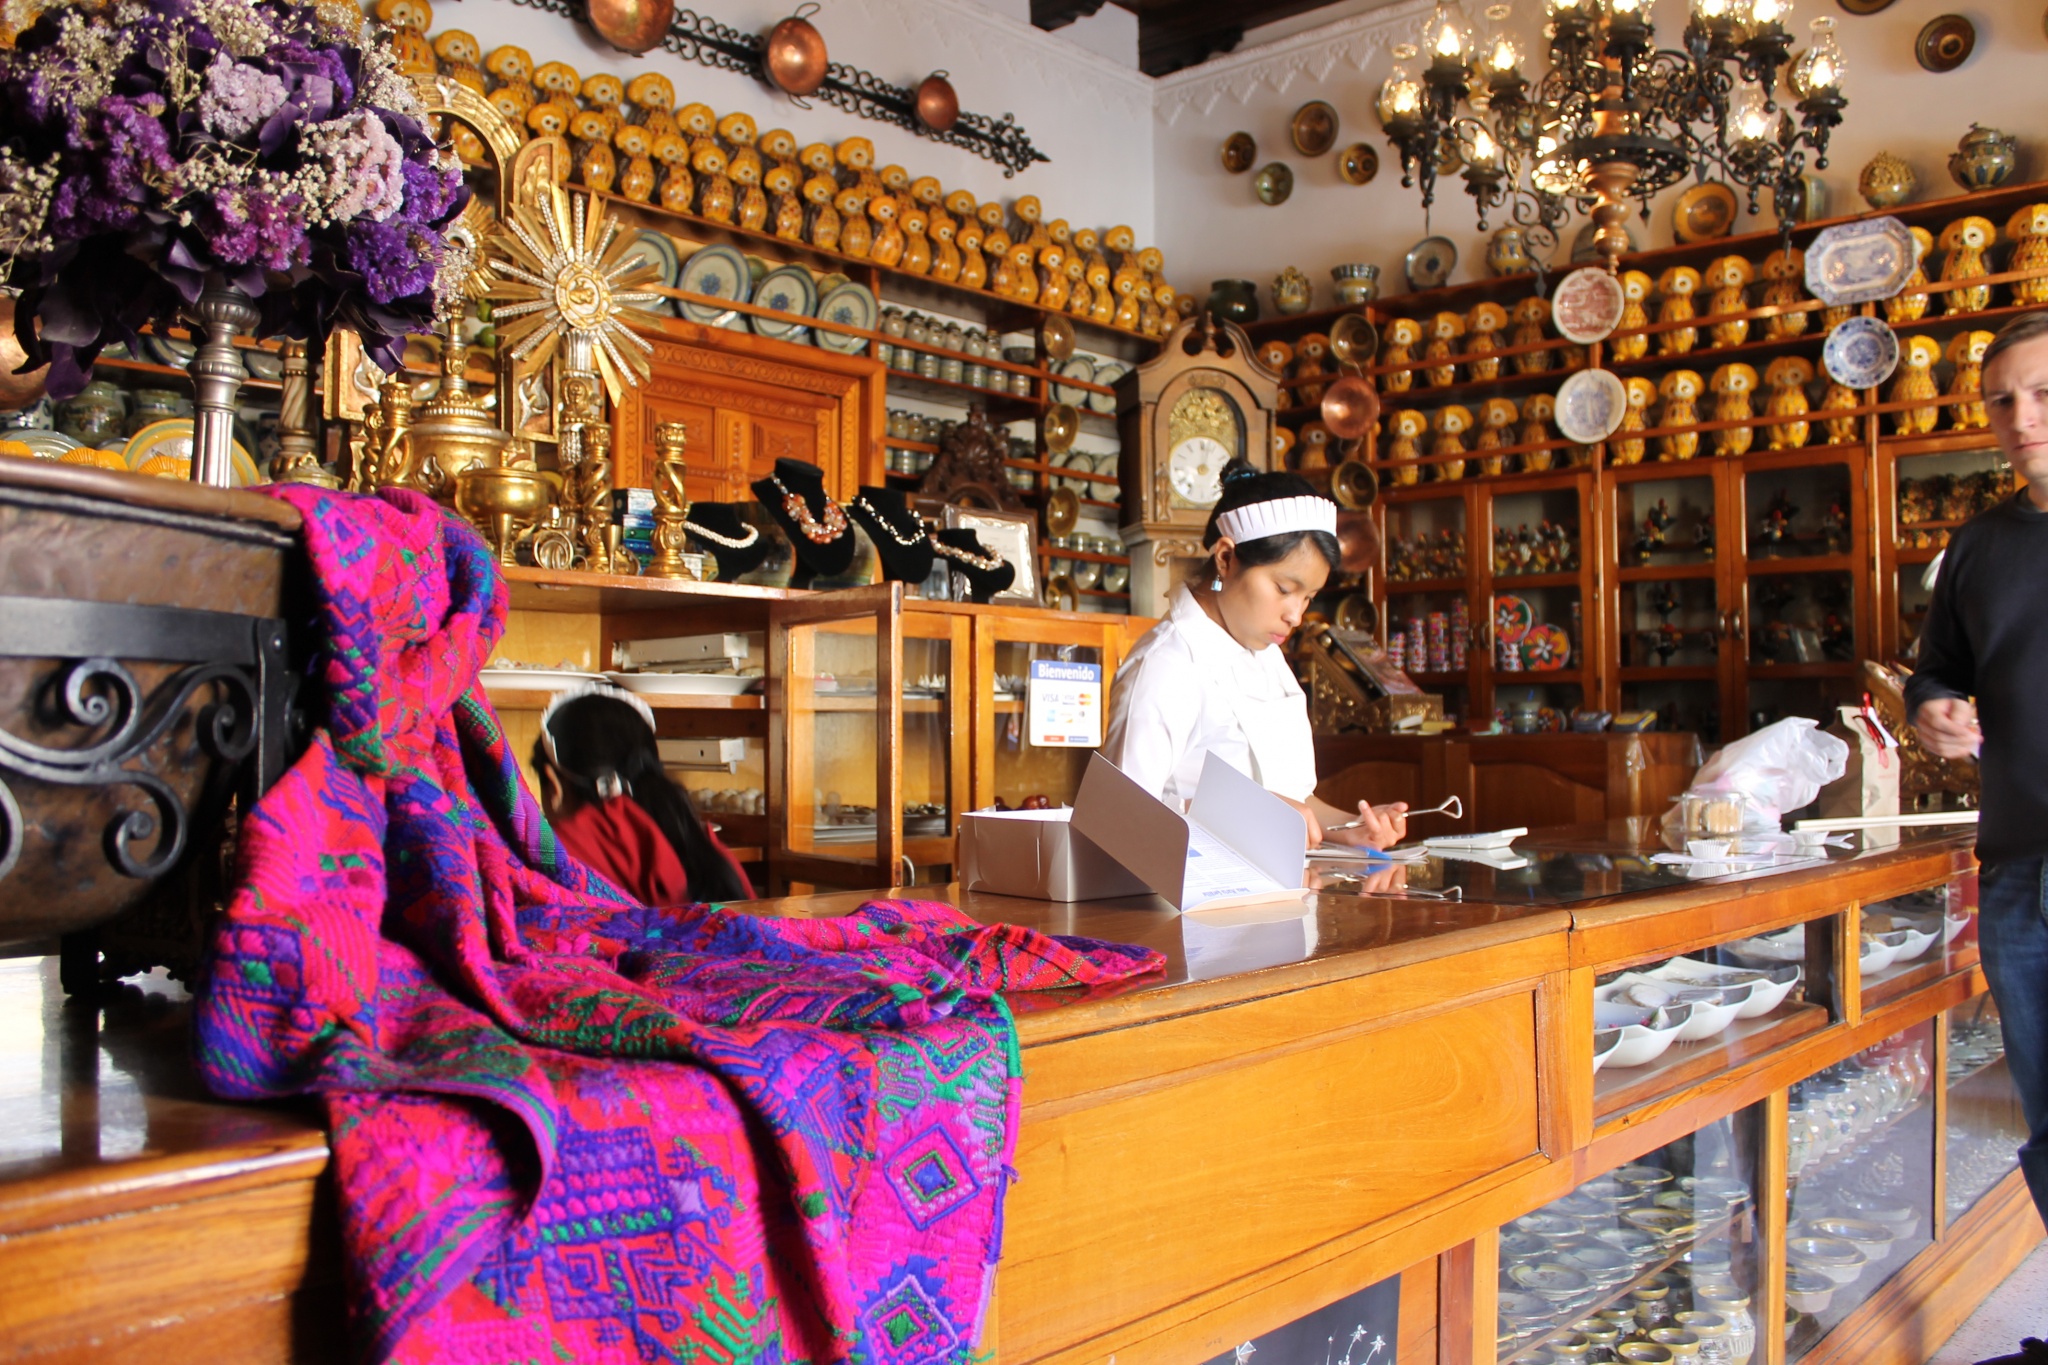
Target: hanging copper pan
630, 25
1353, 486
1358, 544
938, 104
1350, 407
16, 390
794, 57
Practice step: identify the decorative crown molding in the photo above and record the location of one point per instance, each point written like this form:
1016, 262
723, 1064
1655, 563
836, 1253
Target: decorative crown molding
1313, 54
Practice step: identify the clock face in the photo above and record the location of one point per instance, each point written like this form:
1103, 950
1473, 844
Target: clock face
1195, 469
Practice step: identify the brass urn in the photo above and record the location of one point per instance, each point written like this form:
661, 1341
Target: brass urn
453, 432
502, 500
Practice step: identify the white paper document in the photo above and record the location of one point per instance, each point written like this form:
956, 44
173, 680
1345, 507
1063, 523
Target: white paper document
1238, 844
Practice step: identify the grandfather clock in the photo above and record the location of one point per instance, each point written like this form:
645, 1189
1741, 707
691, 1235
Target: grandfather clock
1201, 402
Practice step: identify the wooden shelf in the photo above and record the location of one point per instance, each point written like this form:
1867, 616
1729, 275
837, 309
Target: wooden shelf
521, 699
1415, 585
1046, 552
1760, 566
1646, 673
1919, 554
1759, 670
1561, 578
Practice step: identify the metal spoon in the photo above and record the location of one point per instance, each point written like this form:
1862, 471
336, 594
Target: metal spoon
1451, 806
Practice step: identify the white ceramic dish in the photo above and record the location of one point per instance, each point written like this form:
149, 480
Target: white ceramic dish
1590, 405
1861, 353
1713, 1008
1808, 1291
1954, 925
1768, 986
1645, 1034
534, 679
1860, 262
788, 290
1880, 951
1833, 1257
1787, 945
1867, 1235
1604, 1042
1917, 943
1108, 374
683, 684
1587, 305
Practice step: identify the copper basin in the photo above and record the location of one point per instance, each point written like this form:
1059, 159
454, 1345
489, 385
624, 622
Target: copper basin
794, 56
631, 25
1350, 407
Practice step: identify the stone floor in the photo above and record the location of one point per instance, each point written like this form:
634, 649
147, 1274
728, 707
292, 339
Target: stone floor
2018, 1309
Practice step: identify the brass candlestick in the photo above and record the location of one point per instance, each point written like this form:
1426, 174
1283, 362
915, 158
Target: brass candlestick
671, 503
384, 459
593, 498
298, 455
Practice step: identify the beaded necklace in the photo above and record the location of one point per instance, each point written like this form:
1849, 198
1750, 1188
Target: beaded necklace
729, 542
799, 511
861, 504
968, 557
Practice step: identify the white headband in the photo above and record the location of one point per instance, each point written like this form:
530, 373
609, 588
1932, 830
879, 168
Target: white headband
1258, 520
577, 693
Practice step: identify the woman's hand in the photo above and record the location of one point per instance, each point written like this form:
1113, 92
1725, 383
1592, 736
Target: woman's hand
1377, 827
1308, 817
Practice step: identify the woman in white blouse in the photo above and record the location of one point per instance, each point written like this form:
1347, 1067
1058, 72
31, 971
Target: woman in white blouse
1210, 678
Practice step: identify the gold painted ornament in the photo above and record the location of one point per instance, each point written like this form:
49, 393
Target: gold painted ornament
570, 280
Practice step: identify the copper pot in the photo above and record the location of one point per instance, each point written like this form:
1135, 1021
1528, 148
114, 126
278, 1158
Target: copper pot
794, 57
1358, 544
938, 104
1350, 407
16, 390
1353, 486
630, 25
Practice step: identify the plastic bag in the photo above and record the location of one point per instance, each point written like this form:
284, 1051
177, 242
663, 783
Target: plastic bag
1779, 768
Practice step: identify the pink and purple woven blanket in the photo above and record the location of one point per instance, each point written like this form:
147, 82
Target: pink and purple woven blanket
567, 1127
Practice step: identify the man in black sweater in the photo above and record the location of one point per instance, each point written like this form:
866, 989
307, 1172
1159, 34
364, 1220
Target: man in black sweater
1986, 637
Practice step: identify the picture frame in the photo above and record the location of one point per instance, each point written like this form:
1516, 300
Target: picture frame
1014, 536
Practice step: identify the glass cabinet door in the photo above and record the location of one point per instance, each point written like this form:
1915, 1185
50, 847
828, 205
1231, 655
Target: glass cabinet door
1011, 772
1931, 496
1859, 1166
1538, 577
1669, 620
1428, 629
1986, 1126
935, 682
1799, 623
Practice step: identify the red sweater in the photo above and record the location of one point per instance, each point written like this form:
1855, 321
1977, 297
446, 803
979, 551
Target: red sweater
619, 840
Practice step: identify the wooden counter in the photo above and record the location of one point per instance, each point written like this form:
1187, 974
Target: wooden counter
1204, 1155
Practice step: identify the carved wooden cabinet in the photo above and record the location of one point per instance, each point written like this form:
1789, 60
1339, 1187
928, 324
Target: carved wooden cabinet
749, 401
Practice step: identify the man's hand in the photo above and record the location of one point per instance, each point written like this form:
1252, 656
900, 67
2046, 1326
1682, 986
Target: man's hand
1377, 827
1948, 727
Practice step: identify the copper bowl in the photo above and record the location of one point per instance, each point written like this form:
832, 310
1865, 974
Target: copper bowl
1358, 544
1062, 424
1058, 336
938, 104
1353, 486
794, 56
1062, 512
1354, 340
634, 26
16, 390
1350, 407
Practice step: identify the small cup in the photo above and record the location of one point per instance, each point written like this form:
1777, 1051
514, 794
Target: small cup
1710, 849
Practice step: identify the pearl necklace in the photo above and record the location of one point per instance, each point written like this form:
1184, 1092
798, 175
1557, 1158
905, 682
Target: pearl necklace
729, 542
799, 511
861, 504
972, 560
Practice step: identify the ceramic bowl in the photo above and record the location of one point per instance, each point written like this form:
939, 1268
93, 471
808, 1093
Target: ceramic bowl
1548, 1225
1808, 1291
1834, 1257
1634, 1243
1714, 1008
1953, 925
1553, 1280
1677, 1340
1522, 1246
1605, 1041
1724, 1188
1916, 944
1666, 1224
1646, 1034
1610, 1193
1604, 1265
1644, 1353
1901, 1219
1642, 1176
1868, 1236
1514, 1304
1880, 951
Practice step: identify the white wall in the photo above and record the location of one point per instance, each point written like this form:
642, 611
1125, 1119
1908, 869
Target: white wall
1089, 112
1212, 225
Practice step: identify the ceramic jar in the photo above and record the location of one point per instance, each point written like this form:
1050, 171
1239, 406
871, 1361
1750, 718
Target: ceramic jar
929, 365
1507, 252
1984, 159
95, 416
1886, 182
156, 405
1290, 292
1357, 283
1020, 384
1712, 1331
1732, 1305
952, 368
1234, 301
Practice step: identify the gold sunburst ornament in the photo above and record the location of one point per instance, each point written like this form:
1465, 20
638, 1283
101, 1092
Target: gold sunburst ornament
570, 283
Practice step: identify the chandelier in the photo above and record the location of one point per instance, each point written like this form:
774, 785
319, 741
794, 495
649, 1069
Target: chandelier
1615, 117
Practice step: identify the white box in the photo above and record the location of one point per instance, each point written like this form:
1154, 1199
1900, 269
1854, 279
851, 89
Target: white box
1037, 854
722, 649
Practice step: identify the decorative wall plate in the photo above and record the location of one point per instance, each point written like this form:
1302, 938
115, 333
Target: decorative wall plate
787, 290
1358, 164
1864, 6
1107, 374
1074, 367
1861, 353
1274, 184
1860, 262
1429, 262
1590, 405
1240, 150
1945, 43
722, 273
1587, 305
660, 248
1545, 648
1512, 618
1314, 128
1704, 212
42, 443
850, 305
172, 439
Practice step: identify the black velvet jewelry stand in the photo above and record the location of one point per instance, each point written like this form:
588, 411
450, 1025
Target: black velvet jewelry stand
982, 584
813, 560
910, 563
723, 519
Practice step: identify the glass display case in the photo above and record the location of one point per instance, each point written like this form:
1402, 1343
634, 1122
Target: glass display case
1859, 1166
1662, 1252
1918, 937
1930, 486
1986, 1126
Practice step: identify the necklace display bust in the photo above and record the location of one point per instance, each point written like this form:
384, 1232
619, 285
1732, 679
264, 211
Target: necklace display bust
816, 526
899, 534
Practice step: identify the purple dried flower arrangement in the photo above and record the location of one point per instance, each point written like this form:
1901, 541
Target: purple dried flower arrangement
146, 145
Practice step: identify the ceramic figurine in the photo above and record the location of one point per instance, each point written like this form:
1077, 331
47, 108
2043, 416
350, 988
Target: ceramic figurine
995, 244
1733, 384
2027, 230
1052, 278
1886, 182
1530, 316
855, 157
1485, 323
678, 188
1290, 292
1080, 298
410, 21
1635, 298
856, 238
1640, 393
1728, 278
1311, 356
1785, 272
653, 99
603, 93
745, 169
636, 179
1124, 284
1537, 411
1169, 307
1276, 355
1681, 390
785, 203
973, 265
1148, 307
1917, 358
1984, 159
596, 167
1030, 222
1315, 446
1909, 305
1398, 348
1497, 417
1776, 526
1122, 245
1965, 241
1966, 353
1451, 424
917, 247
1407, 428
1444, 331
716, 196
1507, 252
462, 59
696, 122
559, 82
1675, 288
1787, 378
1840, 430
548, 119
823, 225
512, 102
1024, 281
512, 69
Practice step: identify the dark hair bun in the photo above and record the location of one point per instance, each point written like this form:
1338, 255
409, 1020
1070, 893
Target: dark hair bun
1238, 468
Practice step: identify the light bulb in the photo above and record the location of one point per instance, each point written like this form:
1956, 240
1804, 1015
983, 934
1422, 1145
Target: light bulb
1768, 13
1504, 58
1400, 97
1819, 69
1750, 122
1632, 9
1483, 151
1711, 11
1448, 35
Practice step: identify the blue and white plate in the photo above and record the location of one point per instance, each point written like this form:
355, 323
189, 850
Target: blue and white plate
788, 290
1590, 405
660, 249
720, 272
1107, 374
1860, 262
1861, 353
850, 305
1074, 367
